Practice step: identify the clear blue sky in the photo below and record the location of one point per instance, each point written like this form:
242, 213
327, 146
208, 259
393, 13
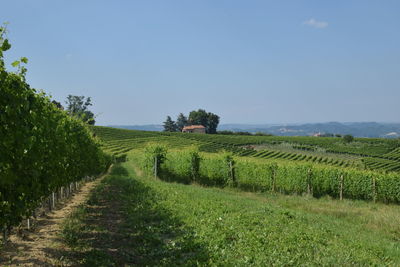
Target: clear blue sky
247, 61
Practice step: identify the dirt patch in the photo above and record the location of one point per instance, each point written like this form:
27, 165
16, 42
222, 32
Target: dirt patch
102, 239
42, 245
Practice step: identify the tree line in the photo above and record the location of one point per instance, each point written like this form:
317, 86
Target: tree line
196, 117
78, 107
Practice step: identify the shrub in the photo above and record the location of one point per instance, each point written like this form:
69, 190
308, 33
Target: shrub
348, 138
155, 155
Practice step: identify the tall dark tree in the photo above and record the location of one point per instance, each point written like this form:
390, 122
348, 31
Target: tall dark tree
78, 106
181, 122
348, 138
198, 117
207, 119
169, 125
212, 123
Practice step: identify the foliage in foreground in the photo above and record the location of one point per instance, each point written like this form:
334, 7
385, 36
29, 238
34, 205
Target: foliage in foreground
41, 147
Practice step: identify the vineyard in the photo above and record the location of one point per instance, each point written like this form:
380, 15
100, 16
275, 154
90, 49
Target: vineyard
102, 196
364, 153
172, 224
43, 150
288, 167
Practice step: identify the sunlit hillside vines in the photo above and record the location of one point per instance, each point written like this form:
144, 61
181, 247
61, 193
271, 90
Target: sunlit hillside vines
288, 167
363, 153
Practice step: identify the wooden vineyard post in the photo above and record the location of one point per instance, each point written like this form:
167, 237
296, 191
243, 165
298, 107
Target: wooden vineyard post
341, 187
232, 172
309, 188
273, 176
155, 167
374, 189
28, 223
53, 200
273, 180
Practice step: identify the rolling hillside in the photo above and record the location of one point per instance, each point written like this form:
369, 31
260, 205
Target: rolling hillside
363, 153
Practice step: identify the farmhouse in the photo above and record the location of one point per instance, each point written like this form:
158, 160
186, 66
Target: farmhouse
194, 129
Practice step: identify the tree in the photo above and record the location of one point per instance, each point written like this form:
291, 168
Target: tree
169, 125
181, 122
199, 117
78, 106
348, 138
57, 104
208, 120
212, 123
262, 134
88, 117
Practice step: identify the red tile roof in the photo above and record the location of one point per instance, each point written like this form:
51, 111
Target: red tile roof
191, 127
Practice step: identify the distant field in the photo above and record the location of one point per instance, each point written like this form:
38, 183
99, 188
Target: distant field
363, 153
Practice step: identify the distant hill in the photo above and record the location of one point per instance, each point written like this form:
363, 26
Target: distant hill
148, 127
358, 129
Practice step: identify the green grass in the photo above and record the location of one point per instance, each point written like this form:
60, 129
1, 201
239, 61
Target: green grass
169, 224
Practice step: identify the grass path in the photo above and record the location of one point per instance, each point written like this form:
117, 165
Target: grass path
43, 246
123, 225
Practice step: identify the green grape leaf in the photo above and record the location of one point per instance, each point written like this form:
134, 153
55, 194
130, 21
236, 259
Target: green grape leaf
6, 45
15, 63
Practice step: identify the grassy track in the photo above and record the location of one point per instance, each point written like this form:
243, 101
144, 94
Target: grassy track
136, 220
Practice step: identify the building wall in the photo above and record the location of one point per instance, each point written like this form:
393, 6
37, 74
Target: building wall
195, 131
199, 130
